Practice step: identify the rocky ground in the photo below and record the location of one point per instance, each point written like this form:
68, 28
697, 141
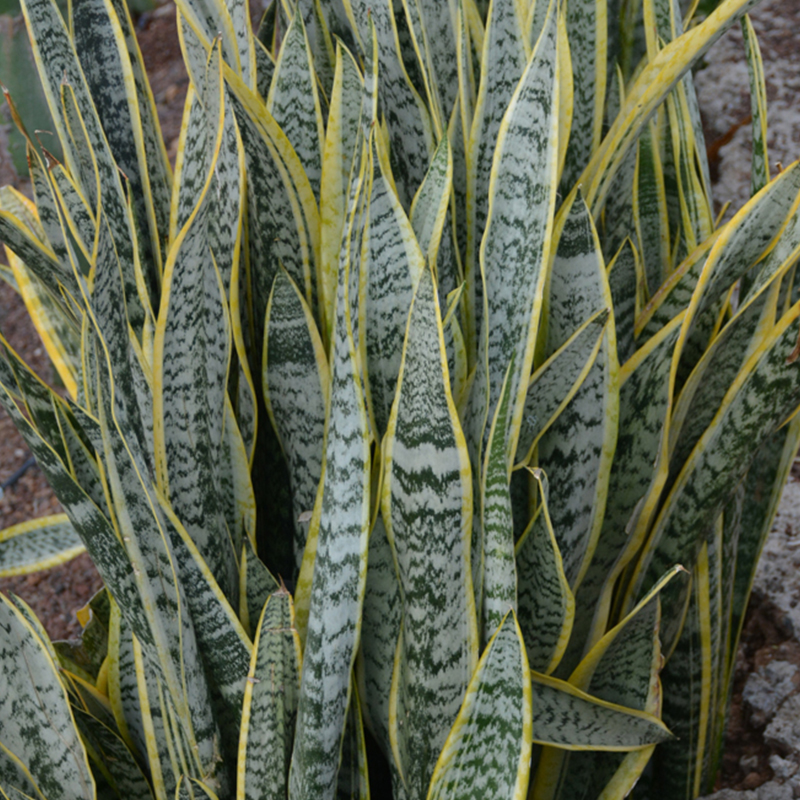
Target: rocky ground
762, 759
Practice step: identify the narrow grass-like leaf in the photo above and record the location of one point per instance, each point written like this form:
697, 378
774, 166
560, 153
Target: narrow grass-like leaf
427, 507
270, 703
38, 728
758, 107
497, 708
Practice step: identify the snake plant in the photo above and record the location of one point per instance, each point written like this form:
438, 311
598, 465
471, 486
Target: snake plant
422, 422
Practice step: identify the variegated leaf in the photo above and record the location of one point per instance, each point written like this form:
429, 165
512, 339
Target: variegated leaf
380, 629
546, 605
427, 507
103, 38
391, 265
503, 60
339, 573
38, 731
270, 703
555, 382
497, 709
758, 107
499, 566
765, 393
39, 544
411, 138
587, 29
622, 668
295, 381
626, 284
341, 145
650, 209
576, 451
635, 483
293, 101
76, 122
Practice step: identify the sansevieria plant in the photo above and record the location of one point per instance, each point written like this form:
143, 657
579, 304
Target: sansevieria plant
423, 423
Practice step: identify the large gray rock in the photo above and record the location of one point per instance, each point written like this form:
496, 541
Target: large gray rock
783, 733
767, 688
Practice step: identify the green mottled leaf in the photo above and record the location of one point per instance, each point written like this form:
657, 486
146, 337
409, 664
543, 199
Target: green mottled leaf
635, 483
339, 570
546, 605
555, 382
650, 210
270, 703
38, 730
295, 381
341, 144
496, 709
765, 393
502, 65
411, 136
391, 265
38, 544
577, 450
427, 508
499, 566
380, 629
758, 107
256, 584
626, 284
111, 756
293, 101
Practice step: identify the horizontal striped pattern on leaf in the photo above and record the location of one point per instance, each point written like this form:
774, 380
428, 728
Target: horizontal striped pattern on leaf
38, 728
339, 573
496, 709
546, 604
295, 381
270, 703
427, 507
